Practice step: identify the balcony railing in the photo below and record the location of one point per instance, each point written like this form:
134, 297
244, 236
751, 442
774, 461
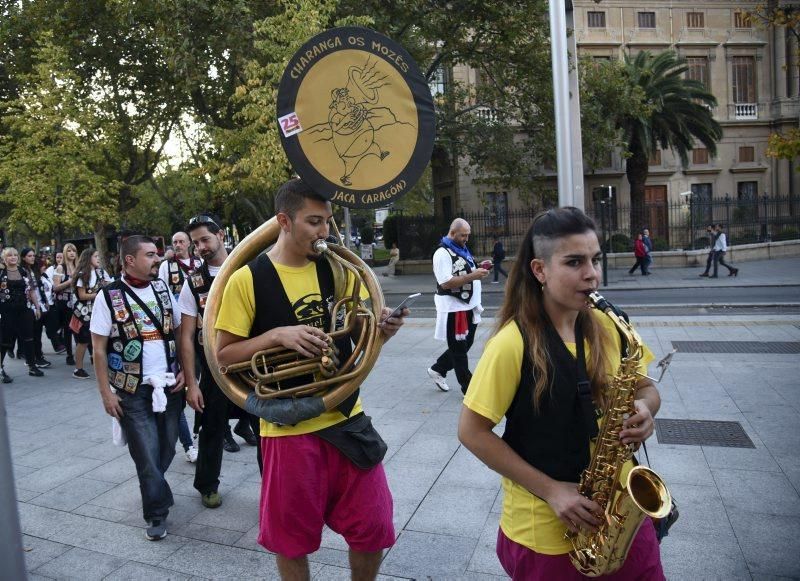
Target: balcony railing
746, 111
486, 114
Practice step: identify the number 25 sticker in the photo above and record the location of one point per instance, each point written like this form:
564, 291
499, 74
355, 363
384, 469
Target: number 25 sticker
290, 124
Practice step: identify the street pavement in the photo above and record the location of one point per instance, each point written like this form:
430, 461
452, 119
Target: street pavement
80, 508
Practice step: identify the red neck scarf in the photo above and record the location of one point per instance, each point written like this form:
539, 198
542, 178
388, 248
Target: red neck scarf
136, 282
187, 268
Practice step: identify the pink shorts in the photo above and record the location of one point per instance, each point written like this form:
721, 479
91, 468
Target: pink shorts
521, 563
308, 483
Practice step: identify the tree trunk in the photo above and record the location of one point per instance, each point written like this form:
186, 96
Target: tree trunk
636, 170
101, 245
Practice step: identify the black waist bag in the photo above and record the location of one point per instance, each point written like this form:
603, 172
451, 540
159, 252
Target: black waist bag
357, 439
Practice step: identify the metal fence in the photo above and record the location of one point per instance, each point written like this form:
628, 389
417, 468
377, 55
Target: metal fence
679, 226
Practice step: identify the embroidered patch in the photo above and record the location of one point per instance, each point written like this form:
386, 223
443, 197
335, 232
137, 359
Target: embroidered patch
114, 331
132, 368
131, 383
130, 330
171, 349
175, 278
132, 350
201, 300
114, 361
117, 346
197, 280
119, 380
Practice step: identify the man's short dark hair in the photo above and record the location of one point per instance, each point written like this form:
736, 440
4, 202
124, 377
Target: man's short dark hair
210, 221
292, 195
130, 246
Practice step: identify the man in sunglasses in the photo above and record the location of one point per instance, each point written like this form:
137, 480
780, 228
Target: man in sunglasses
207, 398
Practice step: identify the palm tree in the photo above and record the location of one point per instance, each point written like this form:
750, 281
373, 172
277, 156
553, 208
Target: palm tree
677, 113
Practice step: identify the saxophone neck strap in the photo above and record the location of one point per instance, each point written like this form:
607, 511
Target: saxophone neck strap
584, 386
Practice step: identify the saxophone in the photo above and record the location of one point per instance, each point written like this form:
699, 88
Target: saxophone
643, 494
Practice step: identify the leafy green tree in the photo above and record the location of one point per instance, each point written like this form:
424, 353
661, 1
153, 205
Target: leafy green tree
678, 112
121, 89
49, 162
502, 126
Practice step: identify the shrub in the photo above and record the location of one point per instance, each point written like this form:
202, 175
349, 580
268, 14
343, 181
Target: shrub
787, 233
620, 243
389, 231
660, 244
367, 235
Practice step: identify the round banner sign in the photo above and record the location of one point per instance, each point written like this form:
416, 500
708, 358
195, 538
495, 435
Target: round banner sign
356, 117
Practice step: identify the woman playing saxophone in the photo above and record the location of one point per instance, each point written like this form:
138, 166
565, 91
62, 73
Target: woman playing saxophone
531, 373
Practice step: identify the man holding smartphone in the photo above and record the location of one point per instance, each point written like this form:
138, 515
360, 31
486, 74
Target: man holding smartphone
458, 304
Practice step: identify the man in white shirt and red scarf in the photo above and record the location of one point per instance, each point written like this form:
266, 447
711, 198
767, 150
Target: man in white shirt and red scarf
458, 304
133, 327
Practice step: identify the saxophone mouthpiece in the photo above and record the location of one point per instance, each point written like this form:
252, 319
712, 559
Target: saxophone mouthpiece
599, 301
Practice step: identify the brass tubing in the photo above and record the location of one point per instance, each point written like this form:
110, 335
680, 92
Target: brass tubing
237, 379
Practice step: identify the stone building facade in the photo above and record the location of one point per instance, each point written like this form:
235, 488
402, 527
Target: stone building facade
751, 70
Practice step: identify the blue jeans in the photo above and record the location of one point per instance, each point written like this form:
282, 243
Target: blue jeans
184, 434
151, 443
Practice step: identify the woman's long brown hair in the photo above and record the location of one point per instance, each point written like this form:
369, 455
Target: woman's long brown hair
84, 269
524, 303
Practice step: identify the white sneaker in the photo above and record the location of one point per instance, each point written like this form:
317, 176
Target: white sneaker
438, 379
191, 454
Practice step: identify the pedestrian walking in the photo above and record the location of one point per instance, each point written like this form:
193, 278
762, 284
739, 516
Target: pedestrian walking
89, 279
136, 365
458, 304
205, 396
712, 242
648, 245
640, 252
19, 310
720, 248
62, 277
178, 263
498, 256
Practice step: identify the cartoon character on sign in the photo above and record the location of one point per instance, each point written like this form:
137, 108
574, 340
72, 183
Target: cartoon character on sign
353, 118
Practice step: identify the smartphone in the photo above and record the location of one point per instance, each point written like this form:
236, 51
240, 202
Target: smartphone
407, 302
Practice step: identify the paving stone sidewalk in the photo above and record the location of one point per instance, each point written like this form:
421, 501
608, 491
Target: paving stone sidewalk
740, 509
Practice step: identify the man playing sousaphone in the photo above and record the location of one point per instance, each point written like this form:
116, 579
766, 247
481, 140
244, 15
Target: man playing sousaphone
283, 299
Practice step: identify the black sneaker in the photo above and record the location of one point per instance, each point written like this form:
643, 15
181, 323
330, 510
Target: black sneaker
34, 371
42, 363
4, 377
244, 431
70, 360
229, 444
60, 350
156, 531
80, 374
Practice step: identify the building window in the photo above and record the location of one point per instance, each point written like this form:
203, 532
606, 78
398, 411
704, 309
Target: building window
701, 203
646, 19
655, 157
699, 156
743, 69
695, 20
596, 19
497, 210
742, 20
747, 153
698, 69
438, 83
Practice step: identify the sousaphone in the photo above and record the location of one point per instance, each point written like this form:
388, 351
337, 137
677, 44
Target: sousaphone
356, 120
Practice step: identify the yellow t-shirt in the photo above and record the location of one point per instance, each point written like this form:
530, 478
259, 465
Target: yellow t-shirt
237, 313
526, 519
